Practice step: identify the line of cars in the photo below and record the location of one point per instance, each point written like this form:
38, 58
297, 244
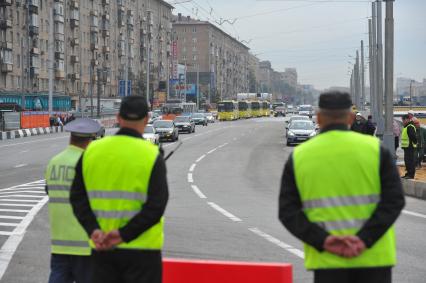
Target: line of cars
159, 130
300, 129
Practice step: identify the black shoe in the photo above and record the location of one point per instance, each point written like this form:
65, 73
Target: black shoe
409, 178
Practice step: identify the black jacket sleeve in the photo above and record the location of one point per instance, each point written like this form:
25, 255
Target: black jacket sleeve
391, 201
80, 201
291, 211
154, 207
412, 135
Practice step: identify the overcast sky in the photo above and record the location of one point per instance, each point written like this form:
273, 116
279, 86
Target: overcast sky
317, 37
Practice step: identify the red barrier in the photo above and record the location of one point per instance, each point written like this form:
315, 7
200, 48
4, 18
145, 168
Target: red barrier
34, 120
203, 271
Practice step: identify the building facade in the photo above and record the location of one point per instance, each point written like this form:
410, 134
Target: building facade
219, 62
93, 45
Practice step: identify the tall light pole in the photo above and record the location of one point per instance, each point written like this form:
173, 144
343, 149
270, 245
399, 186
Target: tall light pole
357, 82
375, 111
380, 128
362, 69
388, 138
370, 66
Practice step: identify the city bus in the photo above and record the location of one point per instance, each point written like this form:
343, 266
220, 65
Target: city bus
227, 110
256, 111
266, 108
244, 109
172, 109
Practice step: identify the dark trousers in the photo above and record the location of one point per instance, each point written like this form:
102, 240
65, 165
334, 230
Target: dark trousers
396, 143
69, 269
354, 275
410, 161
126, 266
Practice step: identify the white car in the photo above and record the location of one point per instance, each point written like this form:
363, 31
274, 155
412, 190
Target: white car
151, 135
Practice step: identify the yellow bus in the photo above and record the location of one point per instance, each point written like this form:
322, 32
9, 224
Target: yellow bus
256, 110
227, 110
266, 108
244, 109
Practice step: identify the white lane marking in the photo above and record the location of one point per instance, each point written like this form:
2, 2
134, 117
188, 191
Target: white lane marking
277, 242
192, 168
414, 214
4, 233
20, 165
8, 224
170, 144
41, 140
11, 217
224, 212
17, 200
16, 204
185, 139
13, 210
200, 158
190, 179
234, 139
11, 244
14, 194
24, 151
220, 146
211, 151
198, 192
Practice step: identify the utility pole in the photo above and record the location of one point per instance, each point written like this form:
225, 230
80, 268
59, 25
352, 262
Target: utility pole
357, 82
411, 94
373, 59
148, 59
370, 68
198, 86
380, 126
388, 137
98, 93
50, 61
362, 69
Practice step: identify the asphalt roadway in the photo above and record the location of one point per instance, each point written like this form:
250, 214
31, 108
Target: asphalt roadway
224, 185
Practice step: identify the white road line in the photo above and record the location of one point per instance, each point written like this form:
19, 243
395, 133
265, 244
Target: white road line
41, 140
198, 192
220, 146
11, 217
8, 224
9, 247
13, 210
16, 204
4, 233
17, 200
277, 242
211, 151
21, 196
21, 191
190, 179
192, 168
200, 158
414, 214
224, 212
20, 165
24, 151
170, 144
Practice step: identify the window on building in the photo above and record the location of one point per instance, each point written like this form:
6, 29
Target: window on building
59, 28
194, 29
17, 18
18, 61
194, 57
11, 36
194, 40
194, 48
6, 56
184, 57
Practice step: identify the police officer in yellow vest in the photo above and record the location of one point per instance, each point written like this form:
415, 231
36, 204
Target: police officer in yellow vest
70, 260
409, 145
341, 194
119, 195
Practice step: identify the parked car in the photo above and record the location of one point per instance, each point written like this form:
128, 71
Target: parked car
300, 131
210, 117
150, 134
185, 124
166, 130
199, 119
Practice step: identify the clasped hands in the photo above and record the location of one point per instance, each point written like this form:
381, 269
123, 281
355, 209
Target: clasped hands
344, 246
106, 241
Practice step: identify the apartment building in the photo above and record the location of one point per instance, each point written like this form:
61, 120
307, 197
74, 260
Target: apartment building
95, 44
220, 61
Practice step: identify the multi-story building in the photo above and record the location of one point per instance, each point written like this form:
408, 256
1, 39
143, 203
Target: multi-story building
289, 76
220, 61
266, 76
95, 44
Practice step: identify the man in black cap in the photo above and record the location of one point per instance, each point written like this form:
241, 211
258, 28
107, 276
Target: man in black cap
70, 260
119, 196
340, 194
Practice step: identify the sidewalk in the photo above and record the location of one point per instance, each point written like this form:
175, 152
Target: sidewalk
16, 134
417, 187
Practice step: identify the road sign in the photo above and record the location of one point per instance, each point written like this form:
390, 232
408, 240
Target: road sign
122, 88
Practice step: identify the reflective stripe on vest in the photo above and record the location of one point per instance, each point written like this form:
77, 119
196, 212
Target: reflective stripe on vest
338, 178
118, 192
405, 140
67, 235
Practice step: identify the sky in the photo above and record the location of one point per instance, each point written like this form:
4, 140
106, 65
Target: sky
318, 37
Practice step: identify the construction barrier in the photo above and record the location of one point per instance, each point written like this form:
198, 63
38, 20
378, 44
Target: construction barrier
34, 120
205, 271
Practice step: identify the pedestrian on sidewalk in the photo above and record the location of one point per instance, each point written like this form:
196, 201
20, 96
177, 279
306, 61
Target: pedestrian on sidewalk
119, 195
409, 145
359, 125
341, 194
370, 129
70, 259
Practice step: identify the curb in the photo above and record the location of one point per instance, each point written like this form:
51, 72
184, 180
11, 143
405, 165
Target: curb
414, 189
16, 134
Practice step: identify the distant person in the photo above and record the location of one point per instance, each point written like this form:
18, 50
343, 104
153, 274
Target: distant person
341, 194
396, 133
359, 125
70, 259
370, 129
409, 145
